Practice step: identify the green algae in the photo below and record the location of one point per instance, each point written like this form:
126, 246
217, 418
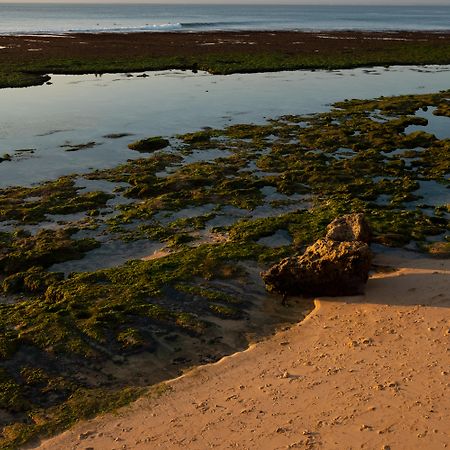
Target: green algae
149, 145
33, 205
198, 137
136, 170
23, 251
443, 109
82, 404
33, 281
32, 71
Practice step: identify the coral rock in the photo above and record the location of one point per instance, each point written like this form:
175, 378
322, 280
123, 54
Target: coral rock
351, 227
326, 268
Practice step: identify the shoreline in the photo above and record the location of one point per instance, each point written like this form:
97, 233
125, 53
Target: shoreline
27, 62
312, 31
395, 398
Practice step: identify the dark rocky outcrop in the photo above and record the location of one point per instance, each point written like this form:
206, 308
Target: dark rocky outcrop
149, 145
351, 227
336, 265
326, 268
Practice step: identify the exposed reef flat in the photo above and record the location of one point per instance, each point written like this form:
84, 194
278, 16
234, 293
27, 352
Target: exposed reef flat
215, 52
76, 344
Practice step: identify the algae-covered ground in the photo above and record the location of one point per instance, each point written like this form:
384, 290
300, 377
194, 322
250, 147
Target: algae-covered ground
28, 60
218, 206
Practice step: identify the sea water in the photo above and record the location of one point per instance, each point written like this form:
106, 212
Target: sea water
61, 18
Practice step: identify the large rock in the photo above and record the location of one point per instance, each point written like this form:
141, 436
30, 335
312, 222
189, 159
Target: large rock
328, 267
351, 227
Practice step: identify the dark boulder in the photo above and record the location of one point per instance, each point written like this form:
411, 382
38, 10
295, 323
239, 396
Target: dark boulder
327, 268
149, 145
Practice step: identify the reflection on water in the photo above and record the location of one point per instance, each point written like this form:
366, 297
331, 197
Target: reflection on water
280, 238
84, 109
112, 253
432, 192
437, 125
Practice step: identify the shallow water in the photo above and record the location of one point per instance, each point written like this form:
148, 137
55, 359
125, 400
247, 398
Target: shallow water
112, 253
83, 109
437, 125
432, 193
280, 238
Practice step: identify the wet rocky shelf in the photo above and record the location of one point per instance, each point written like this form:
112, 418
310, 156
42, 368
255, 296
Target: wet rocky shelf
260, 193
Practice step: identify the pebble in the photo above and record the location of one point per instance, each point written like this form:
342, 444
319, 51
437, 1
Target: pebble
83, 436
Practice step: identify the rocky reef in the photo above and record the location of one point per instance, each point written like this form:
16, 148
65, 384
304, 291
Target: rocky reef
336, 265
350, 227
149, 145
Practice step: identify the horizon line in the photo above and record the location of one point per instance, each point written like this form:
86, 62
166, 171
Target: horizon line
220, 3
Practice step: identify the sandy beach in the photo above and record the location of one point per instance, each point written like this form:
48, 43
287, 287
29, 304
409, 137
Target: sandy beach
359, 372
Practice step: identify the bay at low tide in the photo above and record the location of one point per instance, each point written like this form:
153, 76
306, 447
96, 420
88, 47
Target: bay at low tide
83, 109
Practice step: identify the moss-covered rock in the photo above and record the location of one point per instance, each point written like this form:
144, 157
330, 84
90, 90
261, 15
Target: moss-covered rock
149, 145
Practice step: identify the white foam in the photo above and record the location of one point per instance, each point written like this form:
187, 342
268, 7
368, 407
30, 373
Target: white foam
36, 40
146, 27
45, 35
324, 36
65, 32
389, 39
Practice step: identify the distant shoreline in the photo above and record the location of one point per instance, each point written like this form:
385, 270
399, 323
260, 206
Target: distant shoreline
26, 60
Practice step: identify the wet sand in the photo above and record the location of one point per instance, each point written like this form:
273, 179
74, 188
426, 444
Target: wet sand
359, 372
105, 46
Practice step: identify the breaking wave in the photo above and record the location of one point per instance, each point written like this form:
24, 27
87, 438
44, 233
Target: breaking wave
178, 26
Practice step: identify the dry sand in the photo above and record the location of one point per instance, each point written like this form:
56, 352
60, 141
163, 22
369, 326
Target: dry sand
366, 372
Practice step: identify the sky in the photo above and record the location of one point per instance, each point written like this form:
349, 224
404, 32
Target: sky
290, 2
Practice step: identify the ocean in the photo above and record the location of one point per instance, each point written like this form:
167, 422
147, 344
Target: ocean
64, 18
